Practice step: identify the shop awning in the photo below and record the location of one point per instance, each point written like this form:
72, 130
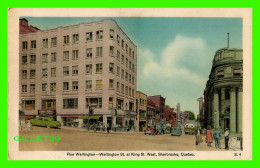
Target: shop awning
70, 115
93, 117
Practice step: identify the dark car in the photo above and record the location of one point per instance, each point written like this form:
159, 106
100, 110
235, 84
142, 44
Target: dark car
151, 130
176, 131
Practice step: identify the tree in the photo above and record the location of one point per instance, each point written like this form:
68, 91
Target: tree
191, 115
167, 106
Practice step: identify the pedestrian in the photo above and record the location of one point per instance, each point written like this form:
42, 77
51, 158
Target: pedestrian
226, 138
217, 137
209, 136
108, 127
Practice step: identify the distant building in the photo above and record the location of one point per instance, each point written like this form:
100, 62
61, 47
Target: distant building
185, 117
170, 116
159, 104
25, 28
151, 112
224, 91
141, 105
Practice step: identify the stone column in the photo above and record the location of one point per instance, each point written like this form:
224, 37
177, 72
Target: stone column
233, 111
222, 103
240, 102
216, 109
60, 120
113, 121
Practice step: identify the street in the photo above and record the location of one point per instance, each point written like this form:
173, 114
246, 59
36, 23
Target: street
78, 139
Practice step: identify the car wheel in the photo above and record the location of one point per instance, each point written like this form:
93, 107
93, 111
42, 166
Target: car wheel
144, 133
171, 134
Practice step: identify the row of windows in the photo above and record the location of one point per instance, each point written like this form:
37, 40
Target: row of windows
88, 86
72, 103
66, 72
75, 40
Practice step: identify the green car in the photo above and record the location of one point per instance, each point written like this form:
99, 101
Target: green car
45, 122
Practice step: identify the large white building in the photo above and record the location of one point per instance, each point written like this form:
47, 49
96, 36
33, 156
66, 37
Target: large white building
67, 69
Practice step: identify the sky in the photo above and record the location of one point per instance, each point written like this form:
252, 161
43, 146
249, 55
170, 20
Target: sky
174, 54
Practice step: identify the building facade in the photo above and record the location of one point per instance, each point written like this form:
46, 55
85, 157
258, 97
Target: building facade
151, 112
70, 70
224, 91
170, 116
25, 28
141, 105
159, 102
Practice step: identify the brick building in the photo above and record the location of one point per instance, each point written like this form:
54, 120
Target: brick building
159, 102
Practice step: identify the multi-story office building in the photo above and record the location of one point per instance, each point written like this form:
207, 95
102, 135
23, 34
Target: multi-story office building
224, 90
159, 102
67, 70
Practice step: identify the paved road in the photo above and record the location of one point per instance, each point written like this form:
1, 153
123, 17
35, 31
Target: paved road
75, 139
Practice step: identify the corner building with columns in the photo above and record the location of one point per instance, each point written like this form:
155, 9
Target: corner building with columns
224, 91
67, 70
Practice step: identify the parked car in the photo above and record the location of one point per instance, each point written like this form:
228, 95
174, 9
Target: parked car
176, 131
45, 122
160, 128
151, 130
168, 130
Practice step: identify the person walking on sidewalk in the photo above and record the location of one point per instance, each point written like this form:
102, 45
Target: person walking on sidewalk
226, 138
108, 127
217, 137
209, 136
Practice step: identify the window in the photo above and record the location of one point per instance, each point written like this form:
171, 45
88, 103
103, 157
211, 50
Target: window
99, 84
32, 73
122, 44
133, 67
220, 74
33, 44
53, 87
118, 39
129, 92
126, 76
24, 74
45, 73
45, 43
120, 104
133, 81
118, 71
122, 74
122, 89
75, 70
24, 60
110, 103
24, 45
65, 85
126, 62
126, 90
66, 56
75, 38
32, 88
44, 58
89, 69
94, 102
99, 51
227, 95
133, 93
98, 68
89, 36
130, 50
99, 34
33, 59
44, 87
126, 48
133, 55
89, 53
53, 72
130, 65
66, 71
89, 84
111, 84
75, 85
123, 59
75, 54
66, 39
118, 86
70, 103
53, 41
111, 67
118, 55
130, 78
29, 104
53, 57
111, 50
24, 88
111, 33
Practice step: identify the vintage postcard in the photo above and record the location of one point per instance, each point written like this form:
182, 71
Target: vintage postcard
130, 84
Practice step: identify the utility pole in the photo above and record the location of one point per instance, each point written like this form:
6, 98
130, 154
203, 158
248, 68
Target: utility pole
228, 41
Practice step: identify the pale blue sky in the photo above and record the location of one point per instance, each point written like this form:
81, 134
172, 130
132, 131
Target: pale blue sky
174, 54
